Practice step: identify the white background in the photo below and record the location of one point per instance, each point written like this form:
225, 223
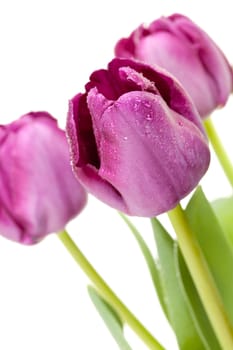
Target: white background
48, 50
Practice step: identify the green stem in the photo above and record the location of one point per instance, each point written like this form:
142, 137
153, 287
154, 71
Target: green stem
219, 150
108, 294
202, 278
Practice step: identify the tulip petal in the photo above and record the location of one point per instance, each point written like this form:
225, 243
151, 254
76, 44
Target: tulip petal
39, 191
151, 146
183, 65
186, 51
148, 153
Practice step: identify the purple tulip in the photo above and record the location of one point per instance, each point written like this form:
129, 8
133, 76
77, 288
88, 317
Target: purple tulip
38, 191
136, 139
186, 51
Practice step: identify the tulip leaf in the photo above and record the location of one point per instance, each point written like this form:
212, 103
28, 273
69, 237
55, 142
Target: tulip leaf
195, 305
223, 209
150, 261
179, 313
110, 318
215, 246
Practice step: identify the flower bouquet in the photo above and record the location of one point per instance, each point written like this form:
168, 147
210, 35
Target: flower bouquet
138, 139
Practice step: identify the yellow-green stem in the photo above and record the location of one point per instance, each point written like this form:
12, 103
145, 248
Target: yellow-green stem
219, 150
108, 294
202, 278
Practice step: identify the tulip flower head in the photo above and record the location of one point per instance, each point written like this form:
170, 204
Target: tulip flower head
186, 51
38, 191
136, 139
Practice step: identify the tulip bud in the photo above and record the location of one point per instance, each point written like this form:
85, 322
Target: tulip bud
186, 51
38, 191
136, 139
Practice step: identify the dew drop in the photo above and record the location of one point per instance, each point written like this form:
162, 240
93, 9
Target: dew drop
148, 116
147, 104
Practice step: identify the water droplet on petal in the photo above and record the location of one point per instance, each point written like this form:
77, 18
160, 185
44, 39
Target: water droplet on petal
148, 116
147, 104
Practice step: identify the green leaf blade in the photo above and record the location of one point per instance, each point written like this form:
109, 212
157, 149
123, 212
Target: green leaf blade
178, 311
195, 305
223, 208
110, 318
214, 245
